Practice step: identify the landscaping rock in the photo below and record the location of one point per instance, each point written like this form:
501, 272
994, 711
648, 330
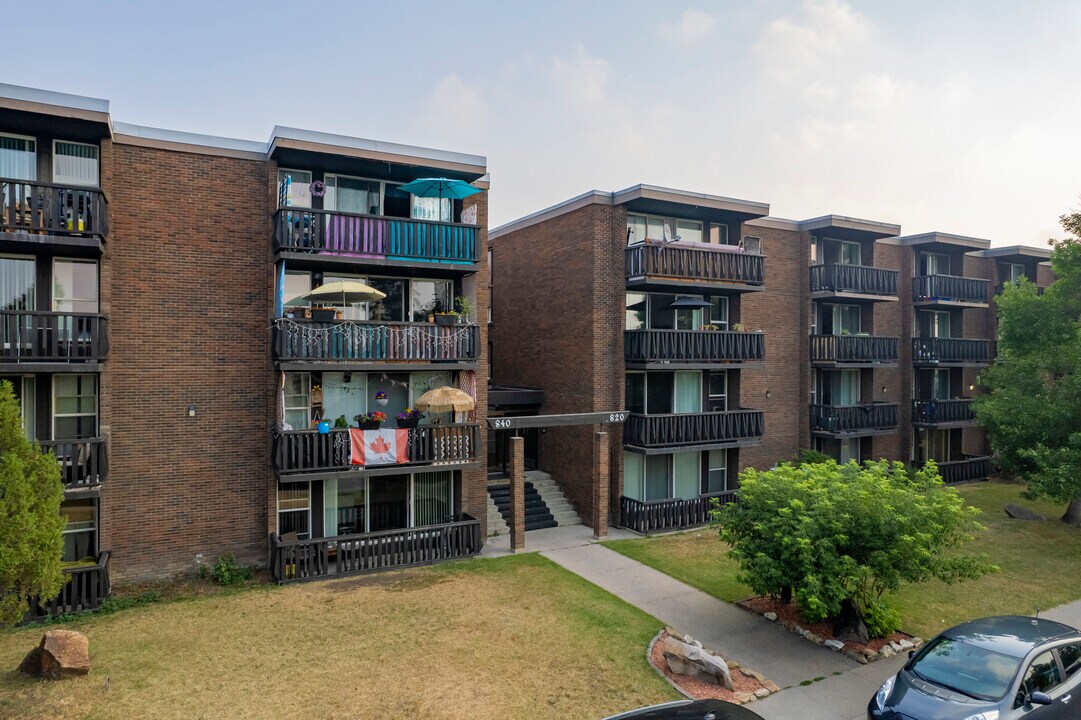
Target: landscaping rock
1018, 512
886, 651
834, 645
917, 643
771, 616
816, 639
849, 626
61, 653
761, 693
771, 686
905, 644
896, 646
742, 698
857, 656
691, 659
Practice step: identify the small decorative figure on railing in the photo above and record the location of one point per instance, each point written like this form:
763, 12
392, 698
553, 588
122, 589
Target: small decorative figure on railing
318, 188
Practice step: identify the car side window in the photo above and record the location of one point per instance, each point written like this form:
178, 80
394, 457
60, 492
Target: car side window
1042, 676
1070, 655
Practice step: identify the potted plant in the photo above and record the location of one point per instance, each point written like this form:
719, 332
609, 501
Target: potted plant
381, 398
446, 318
370, 420
322, 313
409, 419
341, 422
738, 327
324, 427
710, 327
465, 308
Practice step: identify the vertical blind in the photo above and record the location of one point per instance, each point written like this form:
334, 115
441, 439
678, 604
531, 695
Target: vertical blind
433, 499
16, 283
75, 163
18, 158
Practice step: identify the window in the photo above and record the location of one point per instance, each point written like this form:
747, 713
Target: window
80, 530
718, 234
433, 498
636, 229
840, 387
25, 395
660, 387
1042, 676
718, 311
1070, 655
18, 157
686, 475
636, 392
934, 264
938, 323
294, 188
16, 283
341, 397
298, 394
688, 392
718, 392
392, 307
846, 319
75, 286
345, 502
1012, 272
297, 283
716, 479
657, 479
634, 468
752, 245
838, 252
75, 163
850, 450
430, 296
352, 195
936, 445
295, 509
75, 407
396, 202
850, 253
652, 227
689, 230
636, 311
437, 209
940, 384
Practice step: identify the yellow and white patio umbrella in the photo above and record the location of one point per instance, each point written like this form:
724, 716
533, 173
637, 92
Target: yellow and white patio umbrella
445, 399
339, 294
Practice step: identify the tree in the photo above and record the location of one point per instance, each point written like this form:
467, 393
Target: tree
1033, 410
847, 534
31, 527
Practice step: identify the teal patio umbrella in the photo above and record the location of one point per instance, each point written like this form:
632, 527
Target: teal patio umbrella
440, 188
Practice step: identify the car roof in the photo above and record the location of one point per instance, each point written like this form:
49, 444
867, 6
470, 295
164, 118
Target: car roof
690, 710
1013, 635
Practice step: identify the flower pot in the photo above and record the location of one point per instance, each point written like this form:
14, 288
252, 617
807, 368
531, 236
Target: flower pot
324, 427
382, 401
408, 423
323, 315
370, 425
431, 318
445, 320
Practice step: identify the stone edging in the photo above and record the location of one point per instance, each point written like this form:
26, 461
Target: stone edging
649, 659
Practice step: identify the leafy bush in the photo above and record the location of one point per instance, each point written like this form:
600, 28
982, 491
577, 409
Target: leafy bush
116, 604
226, 571
812, 457
881, 619
822, 533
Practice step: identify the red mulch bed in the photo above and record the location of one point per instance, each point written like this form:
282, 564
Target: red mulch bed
700, 689
789, 613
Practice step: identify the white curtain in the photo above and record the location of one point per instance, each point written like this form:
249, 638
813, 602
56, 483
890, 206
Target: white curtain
439, 209
433, 498
633, 470
75, 164
688, 392
18, 158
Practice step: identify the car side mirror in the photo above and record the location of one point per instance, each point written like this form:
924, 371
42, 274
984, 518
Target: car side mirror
911, 653
1039, 698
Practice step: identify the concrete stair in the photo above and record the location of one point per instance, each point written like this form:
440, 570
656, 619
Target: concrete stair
553, 497
545, 504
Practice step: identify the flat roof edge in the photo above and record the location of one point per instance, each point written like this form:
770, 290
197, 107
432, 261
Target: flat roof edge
718, 202
51, 97
850, 223
775, 223
589, 197
378, 147
939, 237
126, 133
1023, 250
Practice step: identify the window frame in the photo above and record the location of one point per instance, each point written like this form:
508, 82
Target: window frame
287, 171
34, 142
286, 408
75, 182
97, 286
723, 452
278, 508
380, 183
54, 415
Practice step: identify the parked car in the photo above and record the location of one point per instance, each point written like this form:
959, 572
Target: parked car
997, 668
690, 710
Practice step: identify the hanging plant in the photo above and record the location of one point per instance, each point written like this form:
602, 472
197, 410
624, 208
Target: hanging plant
318, 188
381, 398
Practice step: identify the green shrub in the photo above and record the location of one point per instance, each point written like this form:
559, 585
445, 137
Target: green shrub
226, 571
115, 604
881, 619
812, 457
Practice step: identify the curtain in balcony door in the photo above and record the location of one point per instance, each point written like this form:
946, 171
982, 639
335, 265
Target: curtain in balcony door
18, 158
433, 498
686, 474
688, 395
75, 164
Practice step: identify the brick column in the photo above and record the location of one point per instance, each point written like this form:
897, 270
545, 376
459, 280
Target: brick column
517, 493
600, 485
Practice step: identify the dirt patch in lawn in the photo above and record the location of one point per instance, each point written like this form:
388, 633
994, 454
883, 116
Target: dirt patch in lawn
745, 680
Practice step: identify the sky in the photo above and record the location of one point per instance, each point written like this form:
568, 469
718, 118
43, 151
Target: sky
958, 116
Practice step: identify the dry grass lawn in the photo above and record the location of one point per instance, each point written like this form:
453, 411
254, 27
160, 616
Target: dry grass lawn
514, 637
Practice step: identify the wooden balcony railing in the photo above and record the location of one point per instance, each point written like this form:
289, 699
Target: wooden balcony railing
296, 560
926, 288
854, 349
693, 428
940, 412
309, 451
45, 209
860, 279
671, 514
374, 236
30, 336
84, 589
362, 341
962, 351
853, 418
691, 263
83, 463
968, 470
692, 346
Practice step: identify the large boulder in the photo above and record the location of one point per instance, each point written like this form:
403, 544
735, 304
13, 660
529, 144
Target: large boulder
849, 626
691, 659
61, 653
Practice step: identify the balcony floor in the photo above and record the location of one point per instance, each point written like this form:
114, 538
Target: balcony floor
653, 283
669, 449
410, 268
867, 432
852, 296
949, 304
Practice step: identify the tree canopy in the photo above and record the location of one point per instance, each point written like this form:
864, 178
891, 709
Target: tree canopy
31, 527
1033, 409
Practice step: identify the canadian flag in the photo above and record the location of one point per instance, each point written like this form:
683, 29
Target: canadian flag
379, 447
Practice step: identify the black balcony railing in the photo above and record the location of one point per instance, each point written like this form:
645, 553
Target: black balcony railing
842, 419
693, 428
84, 589
958, 351
970, 469
309, 451
854, 349
28, 336
351, 235
949, 288
672, 261
83, 463
45, 209
296, 560
941, 412
670, 514
692, 346
364, 341
859, 279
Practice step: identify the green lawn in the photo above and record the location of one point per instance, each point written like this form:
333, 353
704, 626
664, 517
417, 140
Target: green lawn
1039, 563
513, 637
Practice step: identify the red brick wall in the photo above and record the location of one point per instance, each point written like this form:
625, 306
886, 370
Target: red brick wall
889, 321
187, 277
474, 485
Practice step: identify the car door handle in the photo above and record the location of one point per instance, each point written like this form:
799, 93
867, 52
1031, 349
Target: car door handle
1067, 698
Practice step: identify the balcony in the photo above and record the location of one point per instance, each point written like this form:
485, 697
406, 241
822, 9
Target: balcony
682, 267
691, 348
854, 420
35, 213
355, 343
83, 463
85, 588
306, 452
950, 291
343, 555
943, 413
853, 282
671, 514
952, 351
970, 469
701, 430
29, 337
854, 350
374, 239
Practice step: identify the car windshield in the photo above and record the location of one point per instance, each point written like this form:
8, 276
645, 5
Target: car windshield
965, 668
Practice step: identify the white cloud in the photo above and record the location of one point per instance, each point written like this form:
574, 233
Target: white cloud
791, 48
457, 107
693, 26
584, 78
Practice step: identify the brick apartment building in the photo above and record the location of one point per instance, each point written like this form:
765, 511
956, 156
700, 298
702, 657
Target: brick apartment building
735, 340
144, 282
